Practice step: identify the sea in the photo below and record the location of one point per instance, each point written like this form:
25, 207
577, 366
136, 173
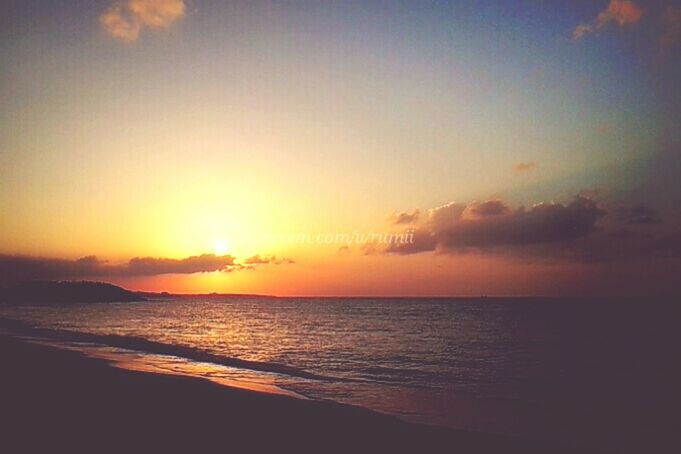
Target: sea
528, 367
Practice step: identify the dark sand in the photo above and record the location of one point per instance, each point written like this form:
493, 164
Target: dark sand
58, 400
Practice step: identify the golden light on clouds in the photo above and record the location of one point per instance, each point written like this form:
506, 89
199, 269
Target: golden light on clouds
125, 20
620, 12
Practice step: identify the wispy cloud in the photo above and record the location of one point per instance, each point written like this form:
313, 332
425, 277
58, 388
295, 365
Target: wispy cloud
266, 259
524, 167
124, 20
622, 13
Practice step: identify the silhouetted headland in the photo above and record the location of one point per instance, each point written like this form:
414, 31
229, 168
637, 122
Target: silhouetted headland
67, 292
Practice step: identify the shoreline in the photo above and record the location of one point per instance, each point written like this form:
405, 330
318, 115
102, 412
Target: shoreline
79, 402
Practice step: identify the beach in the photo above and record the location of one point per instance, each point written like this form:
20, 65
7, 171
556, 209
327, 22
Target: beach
55, 399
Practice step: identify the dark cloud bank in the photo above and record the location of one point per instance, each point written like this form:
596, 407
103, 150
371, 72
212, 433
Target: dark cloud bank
579, 230
17, 268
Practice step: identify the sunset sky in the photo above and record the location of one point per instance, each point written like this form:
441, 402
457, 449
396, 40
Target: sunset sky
526, 148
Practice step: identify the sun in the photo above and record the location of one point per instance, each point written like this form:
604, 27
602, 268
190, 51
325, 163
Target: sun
220, 247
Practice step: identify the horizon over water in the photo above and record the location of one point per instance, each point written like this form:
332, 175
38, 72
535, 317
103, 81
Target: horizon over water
520, 366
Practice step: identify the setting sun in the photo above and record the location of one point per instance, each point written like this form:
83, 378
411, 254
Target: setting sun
220, 247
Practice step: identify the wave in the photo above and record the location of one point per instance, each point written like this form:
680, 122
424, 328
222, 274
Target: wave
147, 346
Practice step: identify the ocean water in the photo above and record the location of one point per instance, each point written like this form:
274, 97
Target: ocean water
527, 367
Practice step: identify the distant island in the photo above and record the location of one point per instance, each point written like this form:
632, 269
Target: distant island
161, 295
67, 292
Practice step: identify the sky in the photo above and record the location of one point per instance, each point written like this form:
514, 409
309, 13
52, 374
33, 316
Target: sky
343, 148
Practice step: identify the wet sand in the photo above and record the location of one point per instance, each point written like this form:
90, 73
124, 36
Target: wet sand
55, 399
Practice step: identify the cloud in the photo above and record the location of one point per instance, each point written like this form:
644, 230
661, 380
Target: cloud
423, 240
118, 22
157, 13
443, 214
524, 167
581, 230
17, 268
257, 260
492, 225
407, 218
125, 20
478, 210
623, 13
149, 266
266, 259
